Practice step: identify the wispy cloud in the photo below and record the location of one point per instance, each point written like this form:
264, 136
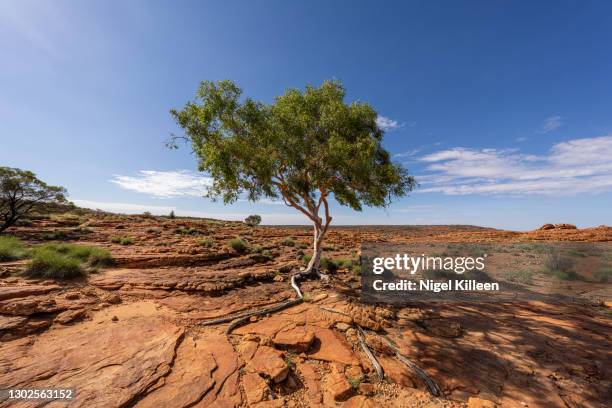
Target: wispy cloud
388, 124
165, 184
409, 153
572, 167
551, 123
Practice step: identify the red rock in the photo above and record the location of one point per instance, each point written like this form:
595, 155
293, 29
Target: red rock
190, 379
331, 347
359, 401
475, 402
443, 327
69, 316
269, 362
298, 339
338, 387
311, 381
256, 389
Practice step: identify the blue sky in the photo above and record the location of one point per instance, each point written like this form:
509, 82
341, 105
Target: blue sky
502, 110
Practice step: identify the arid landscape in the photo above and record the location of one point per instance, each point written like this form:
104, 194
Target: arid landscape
134, 334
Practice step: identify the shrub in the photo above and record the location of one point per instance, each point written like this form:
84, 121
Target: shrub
557, 262
56, 236
520, 276
207, 243
172, 216
288, 242
252, 220
65, 261
267, 253
329, 265
238, 245
603, 275
122, 240
11, 249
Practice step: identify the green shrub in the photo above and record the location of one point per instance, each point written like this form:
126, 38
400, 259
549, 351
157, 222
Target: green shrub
329, 265
65, 261
302, 245
126, 241
56, 236
252, 220
115, 240
11, 249
288, 242
267, 253
207, 243
520, 276
238, 245
603, 275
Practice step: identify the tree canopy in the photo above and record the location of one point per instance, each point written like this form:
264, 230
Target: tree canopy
303, 148
21, 192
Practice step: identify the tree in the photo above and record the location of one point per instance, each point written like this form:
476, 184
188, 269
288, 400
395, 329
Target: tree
304, 148
172, 216
21, 192
252, 220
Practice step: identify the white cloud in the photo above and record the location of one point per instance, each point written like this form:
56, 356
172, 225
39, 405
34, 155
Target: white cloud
165, 184
409, 153
573, 167
551, 123
387, 124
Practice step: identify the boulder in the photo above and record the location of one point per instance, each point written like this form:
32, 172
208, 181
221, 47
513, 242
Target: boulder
270, 363
298, 339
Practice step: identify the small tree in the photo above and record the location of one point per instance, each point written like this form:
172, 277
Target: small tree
252, 220
172, 216
304, 148
21, 192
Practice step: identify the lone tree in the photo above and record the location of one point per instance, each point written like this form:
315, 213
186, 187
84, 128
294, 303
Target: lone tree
304, 148
21, 192
253, 220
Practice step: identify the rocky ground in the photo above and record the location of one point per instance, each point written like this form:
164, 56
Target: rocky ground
132, 335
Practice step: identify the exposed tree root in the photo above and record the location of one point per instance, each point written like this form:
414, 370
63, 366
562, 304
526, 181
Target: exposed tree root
431, 385
258, 312
242, 318
368, 352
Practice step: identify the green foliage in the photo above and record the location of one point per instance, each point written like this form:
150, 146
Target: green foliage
603, 275
267, 253
64, 261
11, 249
252, 220
171, 215
21, 192
58, 235
560, 266
520, 276
207, 243
288, 242
187, 231
238, 245
354, 381
122, 240
329, 265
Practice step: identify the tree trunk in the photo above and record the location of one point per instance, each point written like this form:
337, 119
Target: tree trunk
317, 250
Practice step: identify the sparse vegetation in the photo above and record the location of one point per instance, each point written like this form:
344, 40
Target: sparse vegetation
520, 276
58, 235
603, 275
11, 249
65, 261
239, 245
560, 266
354, 381
288, 242
206, 243
122, 240
252, 220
